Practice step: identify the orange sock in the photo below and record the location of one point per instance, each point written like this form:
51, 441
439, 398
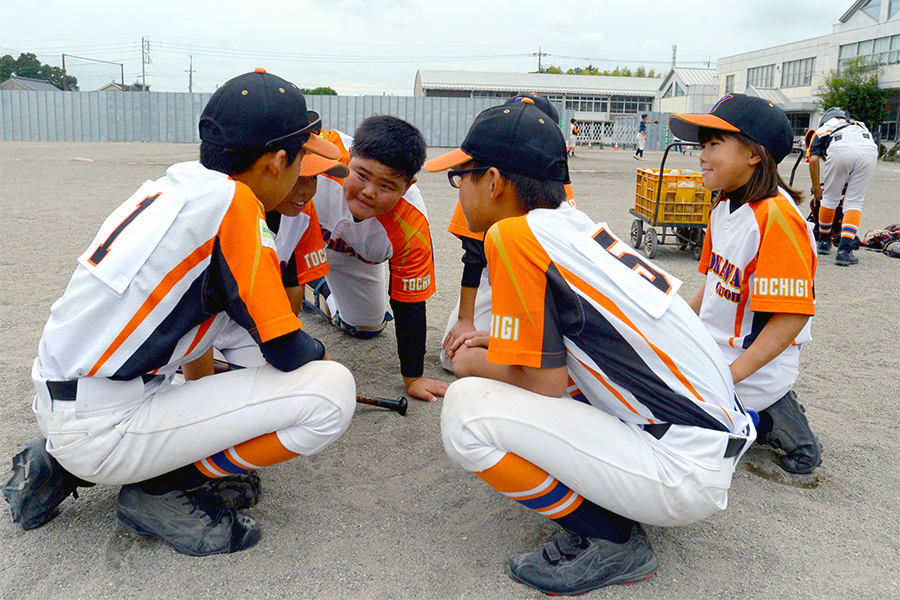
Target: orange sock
262, 451
826, 218
850, 224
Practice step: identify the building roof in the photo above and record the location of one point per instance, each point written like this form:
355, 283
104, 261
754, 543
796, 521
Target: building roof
852, 10
541, 83
34, 85
690, 76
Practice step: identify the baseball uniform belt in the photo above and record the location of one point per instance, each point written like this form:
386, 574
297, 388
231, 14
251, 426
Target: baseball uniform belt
732, 449
838, 137
66, 390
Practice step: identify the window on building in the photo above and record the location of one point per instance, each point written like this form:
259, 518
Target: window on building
729, 84
761, 76
489, 94
797, 73
880, 51
799, 123
670, 91
894, 8
873, 9
679, 91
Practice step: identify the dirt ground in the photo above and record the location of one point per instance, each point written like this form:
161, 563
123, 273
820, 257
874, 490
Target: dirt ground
382, 513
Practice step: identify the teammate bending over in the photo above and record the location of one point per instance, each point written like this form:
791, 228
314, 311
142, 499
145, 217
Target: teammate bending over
597, 398
376, 215
166, 272
760, 263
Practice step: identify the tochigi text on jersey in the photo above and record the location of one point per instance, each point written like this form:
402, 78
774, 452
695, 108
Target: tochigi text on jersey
785, 287
504, 328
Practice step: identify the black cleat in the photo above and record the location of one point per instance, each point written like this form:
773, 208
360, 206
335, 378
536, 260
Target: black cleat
237, 492
791, 433
845, 257
195, 522
572, 564
823, 246
37, 485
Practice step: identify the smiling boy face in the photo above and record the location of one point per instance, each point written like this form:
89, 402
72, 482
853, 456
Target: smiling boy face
372, 188
297, 199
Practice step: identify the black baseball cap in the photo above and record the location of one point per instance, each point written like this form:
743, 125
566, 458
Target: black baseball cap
259, 110
542, 102
757, 118
514, 137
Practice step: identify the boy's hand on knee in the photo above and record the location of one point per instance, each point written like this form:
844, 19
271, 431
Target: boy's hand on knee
425, 389
453, 339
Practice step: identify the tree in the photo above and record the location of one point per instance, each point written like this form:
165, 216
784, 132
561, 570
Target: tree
319, 91
854, 87
592, 70
28, 65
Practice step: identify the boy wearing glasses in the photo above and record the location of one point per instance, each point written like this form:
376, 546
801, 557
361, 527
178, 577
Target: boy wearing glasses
168, 270
597, 398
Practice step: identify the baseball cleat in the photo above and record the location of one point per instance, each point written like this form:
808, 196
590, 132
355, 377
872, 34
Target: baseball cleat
845, 257
195, 522
37, 485
237, 492
823, 246
572, 564
791, 433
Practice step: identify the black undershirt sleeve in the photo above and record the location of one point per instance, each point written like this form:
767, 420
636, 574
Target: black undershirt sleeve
474, 262
292, 351
410, 323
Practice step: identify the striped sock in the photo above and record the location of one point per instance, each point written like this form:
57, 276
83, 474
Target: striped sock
826, 218
536, 489
850, 225
262, 451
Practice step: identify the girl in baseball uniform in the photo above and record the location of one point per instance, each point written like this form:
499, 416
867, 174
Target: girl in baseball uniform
759, 258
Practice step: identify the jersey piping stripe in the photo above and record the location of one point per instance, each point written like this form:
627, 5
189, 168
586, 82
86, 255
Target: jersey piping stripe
609, 387
749, 271
610, 306
201, 331
156, 296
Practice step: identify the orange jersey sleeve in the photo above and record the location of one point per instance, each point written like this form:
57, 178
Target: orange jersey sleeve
310, 261
253, 265
412, 264
521, 333
786, 265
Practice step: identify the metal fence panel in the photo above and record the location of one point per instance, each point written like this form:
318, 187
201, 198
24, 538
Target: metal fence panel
173, 117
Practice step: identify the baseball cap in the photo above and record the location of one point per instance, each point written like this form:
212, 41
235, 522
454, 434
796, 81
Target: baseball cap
541, 102
757, 118
259, 110
313, 164
514, 137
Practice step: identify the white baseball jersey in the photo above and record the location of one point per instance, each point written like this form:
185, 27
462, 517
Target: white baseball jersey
163, 271
300, 248
568, 292
758, 260
401, 237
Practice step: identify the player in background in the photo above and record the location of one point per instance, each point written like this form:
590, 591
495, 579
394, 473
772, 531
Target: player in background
375, 217
167, 271
300, 250
573, 135
850, 156
473, 309
641, 137
760, 264
597, 398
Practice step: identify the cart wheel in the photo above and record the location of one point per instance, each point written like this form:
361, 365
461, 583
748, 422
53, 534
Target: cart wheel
650, 243
683, 232
637, 232
697, 250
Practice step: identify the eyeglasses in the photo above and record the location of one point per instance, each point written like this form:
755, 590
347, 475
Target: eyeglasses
312, 128
455, 177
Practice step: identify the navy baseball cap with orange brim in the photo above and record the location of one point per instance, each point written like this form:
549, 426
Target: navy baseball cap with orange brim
519, 138
261, 111
757, 118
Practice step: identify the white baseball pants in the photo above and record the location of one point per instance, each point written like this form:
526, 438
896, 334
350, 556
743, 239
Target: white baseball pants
851, 160
677, 480
123, 432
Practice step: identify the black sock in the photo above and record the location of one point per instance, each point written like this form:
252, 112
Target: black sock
765, 425
591, 520
187, 477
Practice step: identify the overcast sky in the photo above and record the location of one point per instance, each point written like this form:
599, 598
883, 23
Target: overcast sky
376, 46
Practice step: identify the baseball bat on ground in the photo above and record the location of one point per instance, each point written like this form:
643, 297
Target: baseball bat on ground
399, 405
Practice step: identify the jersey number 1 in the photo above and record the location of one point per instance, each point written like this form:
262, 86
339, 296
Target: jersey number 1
103, 249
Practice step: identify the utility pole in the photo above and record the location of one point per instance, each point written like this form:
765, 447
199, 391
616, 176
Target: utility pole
145, 60
190, 73
539, 54
65, 81
674, 51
